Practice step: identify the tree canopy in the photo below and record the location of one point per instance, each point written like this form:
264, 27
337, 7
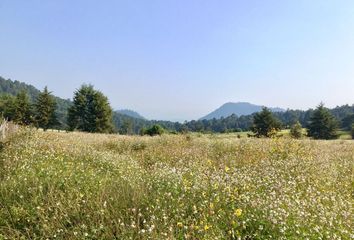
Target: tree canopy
90, 112
45, 105
264, 123
322, 124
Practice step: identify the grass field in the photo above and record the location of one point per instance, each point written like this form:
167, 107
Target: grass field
56, 185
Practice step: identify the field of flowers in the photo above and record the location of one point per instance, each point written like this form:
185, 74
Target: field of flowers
91, 186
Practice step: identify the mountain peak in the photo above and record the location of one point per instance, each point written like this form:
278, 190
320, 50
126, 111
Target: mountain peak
238, 108
131, 113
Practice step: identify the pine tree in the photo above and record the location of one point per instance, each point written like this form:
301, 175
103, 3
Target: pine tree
265, 124
322, 124
90, 111
296, 130
22, 109
7, 107
45, 107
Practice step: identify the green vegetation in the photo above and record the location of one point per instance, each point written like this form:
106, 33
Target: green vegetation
131, 123
323, 124
9, 88
45, 106
153, 131
22, 109
90, 111
352, 131
264, 124
296, 130
96, 186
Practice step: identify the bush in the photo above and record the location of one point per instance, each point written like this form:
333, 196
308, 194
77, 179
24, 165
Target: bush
353, 131
153, 131
296, 130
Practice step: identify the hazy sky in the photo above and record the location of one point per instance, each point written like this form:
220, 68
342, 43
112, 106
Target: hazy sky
182, 59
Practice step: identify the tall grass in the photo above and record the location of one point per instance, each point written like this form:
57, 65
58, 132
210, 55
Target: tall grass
92, 186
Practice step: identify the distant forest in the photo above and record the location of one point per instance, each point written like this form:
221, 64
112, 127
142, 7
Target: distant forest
125, 124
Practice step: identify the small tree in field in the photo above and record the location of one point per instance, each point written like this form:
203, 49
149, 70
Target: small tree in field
322, 125
296, 130
90, 112
265, 124
22, 109
45, 106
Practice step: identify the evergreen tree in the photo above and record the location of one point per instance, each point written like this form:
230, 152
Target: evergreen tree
45, 106
352, 131
127, 127
322, 124
90, 111
22, 109
296, 130
265, 124
7, 107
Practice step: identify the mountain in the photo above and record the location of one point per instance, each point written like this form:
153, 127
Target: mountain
239, 109
131, 113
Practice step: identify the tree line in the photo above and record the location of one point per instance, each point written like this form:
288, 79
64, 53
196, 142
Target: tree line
90, 111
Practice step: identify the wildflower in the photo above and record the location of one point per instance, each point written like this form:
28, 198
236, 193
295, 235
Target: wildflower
179, 224
206, 227
238, 212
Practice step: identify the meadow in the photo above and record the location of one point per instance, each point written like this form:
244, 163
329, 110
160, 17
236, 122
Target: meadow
57, 185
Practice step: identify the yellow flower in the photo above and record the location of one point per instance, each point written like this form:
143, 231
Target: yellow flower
238, 212
206, 227
227, 168
179, 224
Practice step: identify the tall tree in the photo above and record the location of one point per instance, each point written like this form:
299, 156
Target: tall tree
45, 107
322, 125
127, 127
265, 124
7, 106
22, 109
90, 112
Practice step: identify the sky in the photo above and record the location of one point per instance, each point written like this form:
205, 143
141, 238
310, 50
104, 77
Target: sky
181, 59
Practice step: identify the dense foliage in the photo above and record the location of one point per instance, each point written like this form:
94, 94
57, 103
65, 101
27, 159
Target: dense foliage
296, 130
12, 88
45, 107
22, 109
90, 112
265, 124
153, 130
323, 125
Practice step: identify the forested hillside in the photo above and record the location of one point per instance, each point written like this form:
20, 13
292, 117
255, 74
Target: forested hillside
10, 87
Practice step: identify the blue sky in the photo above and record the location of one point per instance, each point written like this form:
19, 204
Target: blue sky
181, 59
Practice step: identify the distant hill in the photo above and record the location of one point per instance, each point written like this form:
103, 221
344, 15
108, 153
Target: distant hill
131, 113
239, 109
8, 86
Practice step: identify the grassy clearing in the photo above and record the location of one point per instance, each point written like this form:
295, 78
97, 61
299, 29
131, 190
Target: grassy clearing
76, 186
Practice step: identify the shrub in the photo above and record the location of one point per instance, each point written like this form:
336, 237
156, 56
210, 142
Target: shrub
153, 131
296, 130
353, 131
